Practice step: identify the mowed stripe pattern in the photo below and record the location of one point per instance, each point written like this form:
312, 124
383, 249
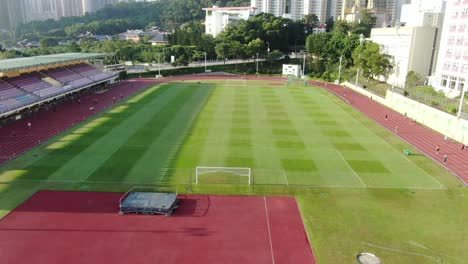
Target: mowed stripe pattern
287, 135
295, 136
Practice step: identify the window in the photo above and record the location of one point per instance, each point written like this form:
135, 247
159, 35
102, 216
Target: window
463, 68
461, 28
443, 82
451, 40
461, 84
446, 66
453, 82
448, 54
464, 12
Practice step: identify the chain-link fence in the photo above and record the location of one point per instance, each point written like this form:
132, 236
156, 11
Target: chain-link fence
423, 94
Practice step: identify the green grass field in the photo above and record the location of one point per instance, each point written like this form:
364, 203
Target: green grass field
356, 189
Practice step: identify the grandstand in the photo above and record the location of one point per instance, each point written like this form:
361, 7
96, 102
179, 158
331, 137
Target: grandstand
26, 82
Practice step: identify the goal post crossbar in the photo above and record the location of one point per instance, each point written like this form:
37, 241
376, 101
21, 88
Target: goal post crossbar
240, 171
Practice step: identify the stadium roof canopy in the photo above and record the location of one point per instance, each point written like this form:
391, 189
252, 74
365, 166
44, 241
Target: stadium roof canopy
30, 62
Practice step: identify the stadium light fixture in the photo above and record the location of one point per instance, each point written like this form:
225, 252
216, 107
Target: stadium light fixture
339, 69
304, 63
205, 60
361, 42
257, 63
460, 108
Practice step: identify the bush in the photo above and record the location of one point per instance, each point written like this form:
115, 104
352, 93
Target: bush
122, 75
452, 110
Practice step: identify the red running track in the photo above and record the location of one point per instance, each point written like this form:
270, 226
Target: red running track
421, 137
85, 227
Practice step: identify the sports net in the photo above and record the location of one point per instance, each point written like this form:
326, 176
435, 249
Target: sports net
223, 175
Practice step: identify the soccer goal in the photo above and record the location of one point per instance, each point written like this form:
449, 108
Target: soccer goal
223, 175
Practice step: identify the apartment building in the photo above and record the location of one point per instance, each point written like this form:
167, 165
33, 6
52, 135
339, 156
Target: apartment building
452, 66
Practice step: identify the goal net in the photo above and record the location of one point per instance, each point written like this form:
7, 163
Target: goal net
223, 175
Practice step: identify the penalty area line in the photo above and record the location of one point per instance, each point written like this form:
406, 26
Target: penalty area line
349, 166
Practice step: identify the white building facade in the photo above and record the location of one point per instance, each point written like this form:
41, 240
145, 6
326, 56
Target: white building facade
334, 8
423, 13
293, 9
409, 49
452, 67
218, 18
384, 10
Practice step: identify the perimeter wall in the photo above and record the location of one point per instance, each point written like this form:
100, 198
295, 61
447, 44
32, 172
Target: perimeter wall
442, 122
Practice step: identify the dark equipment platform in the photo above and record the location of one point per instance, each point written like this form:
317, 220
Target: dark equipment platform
149, 203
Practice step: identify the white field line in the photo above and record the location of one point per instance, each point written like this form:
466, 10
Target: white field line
156, 183
413, 243
349, 166
440, 184
285, 177
305, 229
438, 260
407, 142
163, 175
269, 232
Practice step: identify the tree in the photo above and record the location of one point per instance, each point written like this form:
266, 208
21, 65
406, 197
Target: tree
413, 79
274, 55
255, 46
367, 23
222, 50
74, 47
330, 23
370, 60
316, 44
235, 49
8, 55
207, 44
310, 22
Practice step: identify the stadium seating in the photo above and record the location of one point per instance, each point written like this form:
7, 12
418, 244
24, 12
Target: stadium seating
23, 90
11, 97
63, 75
91, 72
29, 82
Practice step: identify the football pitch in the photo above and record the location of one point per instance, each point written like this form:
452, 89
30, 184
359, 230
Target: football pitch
356, 188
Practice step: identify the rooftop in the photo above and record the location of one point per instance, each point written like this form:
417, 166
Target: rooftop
30, 62
230, 8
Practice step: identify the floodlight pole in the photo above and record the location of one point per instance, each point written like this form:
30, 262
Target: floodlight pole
361, 41
339, 69
159, 64
257, 63
205, 61
304, 64
395, 76
460, 108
